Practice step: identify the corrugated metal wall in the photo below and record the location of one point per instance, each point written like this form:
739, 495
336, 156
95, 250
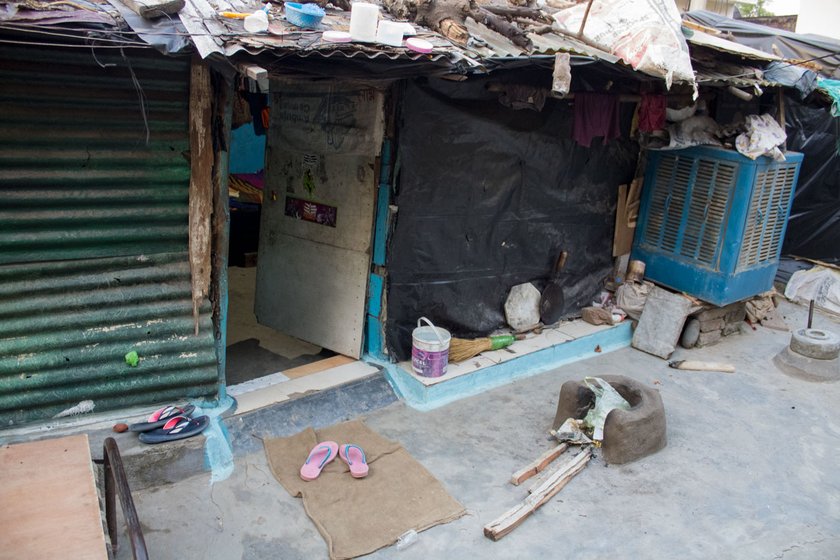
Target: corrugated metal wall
93, 233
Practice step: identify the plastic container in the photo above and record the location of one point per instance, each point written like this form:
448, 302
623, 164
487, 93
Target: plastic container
418, 45
429, 349
257, 22
363, 20
390, 33
407, 539
304, 15
336, 37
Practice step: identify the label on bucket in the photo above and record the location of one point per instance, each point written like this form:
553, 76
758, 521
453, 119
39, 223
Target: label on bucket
426, 363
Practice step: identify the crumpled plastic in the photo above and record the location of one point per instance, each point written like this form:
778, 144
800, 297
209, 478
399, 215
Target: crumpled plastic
699, 130
820, 284
607, 399
762, 137
630, 297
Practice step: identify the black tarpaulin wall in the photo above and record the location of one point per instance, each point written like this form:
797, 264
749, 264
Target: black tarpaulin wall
487, 198
813, 229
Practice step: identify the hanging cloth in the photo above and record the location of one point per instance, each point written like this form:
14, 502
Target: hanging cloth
596, 114
652, 112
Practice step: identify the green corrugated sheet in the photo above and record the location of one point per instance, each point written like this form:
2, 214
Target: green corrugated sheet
94, 234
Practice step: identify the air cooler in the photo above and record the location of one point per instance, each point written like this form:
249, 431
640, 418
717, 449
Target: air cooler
711, 221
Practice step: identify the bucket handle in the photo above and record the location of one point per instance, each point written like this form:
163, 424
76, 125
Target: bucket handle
434, 328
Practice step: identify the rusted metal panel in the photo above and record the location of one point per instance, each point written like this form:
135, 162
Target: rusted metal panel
94, 258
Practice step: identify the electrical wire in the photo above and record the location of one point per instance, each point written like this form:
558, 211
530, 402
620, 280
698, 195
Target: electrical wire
77, 45
70, 36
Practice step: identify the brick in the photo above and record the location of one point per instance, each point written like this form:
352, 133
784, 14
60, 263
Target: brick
707, 338
711, 314
737, 314
712, 325
731, 328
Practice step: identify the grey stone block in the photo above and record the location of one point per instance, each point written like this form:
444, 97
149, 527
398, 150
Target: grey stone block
661, 323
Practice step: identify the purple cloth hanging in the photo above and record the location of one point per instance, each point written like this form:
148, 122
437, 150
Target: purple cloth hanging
596, 114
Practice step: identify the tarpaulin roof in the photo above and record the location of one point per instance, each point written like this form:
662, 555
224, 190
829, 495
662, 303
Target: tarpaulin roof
823, 51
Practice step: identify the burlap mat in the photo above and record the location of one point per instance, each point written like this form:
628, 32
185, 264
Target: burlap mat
359, 516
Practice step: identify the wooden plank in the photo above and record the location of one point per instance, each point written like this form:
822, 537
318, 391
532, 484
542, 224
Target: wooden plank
514, 517
537, 465
620, 238
315, 367
626, 217
50, 506
201, 184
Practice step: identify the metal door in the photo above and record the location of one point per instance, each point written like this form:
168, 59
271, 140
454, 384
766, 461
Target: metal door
317, 218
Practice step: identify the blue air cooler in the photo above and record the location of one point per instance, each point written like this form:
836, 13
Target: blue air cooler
711, 221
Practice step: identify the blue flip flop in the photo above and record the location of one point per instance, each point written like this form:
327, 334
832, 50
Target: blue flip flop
178, 427
160, 417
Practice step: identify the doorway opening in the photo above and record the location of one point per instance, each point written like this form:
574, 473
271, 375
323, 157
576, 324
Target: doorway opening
254, 351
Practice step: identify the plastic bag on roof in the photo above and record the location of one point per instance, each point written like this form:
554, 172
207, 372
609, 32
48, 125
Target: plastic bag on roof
646, 34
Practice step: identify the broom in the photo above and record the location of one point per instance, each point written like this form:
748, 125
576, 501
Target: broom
462, 349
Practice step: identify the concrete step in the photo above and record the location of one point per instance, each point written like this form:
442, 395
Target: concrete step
155, 465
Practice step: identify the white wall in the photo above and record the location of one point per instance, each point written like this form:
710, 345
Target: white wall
821, 17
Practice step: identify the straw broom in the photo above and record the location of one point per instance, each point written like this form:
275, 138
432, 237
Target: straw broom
461, 349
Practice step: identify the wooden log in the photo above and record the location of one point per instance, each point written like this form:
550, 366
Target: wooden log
502, 26
514, 517
454, 31
517, 11
537, 465
692, 365
151, 9
201, 184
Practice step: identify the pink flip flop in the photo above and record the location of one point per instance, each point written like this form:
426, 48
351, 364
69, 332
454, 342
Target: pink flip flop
355, 459
318, 458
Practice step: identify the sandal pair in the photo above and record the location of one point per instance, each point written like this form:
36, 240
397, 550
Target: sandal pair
325, 452
170, 423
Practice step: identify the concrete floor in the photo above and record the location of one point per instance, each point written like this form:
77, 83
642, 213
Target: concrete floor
750, 471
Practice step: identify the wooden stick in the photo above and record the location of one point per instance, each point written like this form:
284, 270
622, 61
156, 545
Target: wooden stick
702, 366
537, 465
547, 490
540, 479
585, 17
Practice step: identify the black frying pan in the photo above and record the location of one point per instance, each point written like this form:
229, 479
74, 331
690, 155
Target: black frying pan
553, 300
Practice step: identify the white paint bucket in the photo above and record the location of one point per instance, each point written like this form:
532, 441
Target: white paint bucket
429, 349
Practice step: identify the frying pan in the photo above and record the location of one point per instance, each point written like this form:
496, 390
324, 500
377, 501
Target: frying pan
553, 300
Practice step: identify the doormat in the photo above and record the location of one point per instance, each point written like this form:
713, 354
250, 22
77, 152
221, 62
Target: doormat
358, 516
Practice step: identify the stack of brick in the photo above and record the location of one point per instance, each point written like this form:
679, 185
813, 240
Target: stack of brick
716, 322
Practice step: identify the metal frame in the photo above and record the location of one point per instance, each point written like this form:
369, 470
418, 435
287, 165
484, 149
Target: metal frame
116, 483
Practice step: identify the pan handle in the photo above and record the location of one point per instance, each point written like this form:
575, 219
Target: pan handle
561, 262
434, 328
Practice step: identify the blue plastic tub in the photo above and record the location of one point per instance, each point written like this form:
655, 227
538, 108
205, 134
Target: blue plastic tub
304, 15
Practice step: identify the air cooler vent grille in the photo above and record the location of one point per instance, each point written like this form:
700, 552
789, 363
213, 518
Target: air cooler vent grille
767, 216
688, 207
